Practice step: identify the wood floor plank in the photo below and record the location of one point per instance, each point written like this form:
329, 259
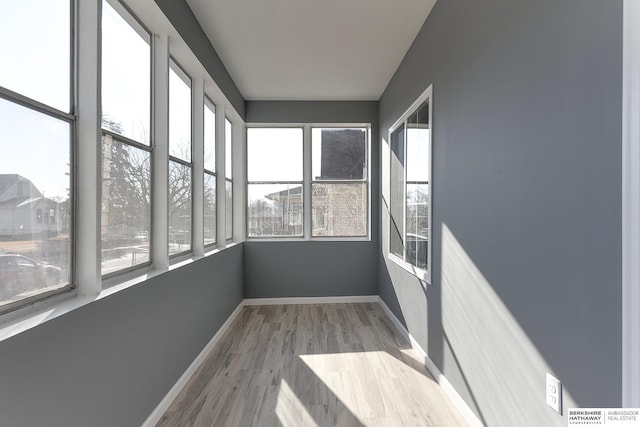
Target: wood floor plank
312, 365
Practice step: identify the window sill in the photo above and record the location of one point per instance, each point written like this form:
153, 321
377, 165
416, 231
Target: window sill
420, 274
31, 316
313, 239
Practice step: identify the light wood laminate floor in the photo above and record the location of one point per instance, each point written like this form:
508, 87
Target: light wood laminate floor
312, 365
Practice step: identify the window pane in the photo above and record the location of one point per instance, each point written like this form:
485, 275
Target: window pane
275, 210
126, 77
339, 153
35, 39
339, 209
418, 140
35, 206
228, 138
396, 197
179, 208
417, 190
229, 210
209, 137
274, 154
417, 224
179, 114
209, 209
126, 209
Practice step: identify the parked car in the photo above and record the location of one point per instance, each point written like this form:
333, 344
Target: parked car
19, 273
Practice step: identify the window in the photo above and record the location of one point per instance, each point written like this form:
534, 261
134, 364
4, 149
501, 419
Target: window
228, 138
410, 192
209, 173
35, 167
280, 188
340, 191
180, 167
126, 149
275, 182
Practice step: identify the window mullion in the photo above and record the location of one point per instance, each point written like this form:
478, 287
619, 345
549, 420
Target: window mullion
220, 177
87, 200
404, 192
159, 188
197, 159
307, 174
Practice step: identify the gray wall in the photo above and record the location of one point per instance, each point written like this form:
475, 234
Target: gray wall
110, 362
527, 202
185, 22
318, 268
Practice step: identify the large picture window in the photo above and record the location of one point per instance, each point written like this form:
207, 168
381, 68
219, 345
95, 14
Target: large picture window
410, 187
36, 204
126, 145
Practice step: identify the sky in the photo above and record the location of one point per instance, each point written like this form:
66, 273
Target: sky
34, 145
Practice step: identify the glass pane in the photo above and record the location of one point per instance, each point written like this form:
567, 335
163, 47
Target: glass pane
229, 210
339, 209
179, 208
418, 140
417, 224
275, 210
126, 78
35, 47
209, 209
396, 197
274, 154
209, 137
339, 153
179, 115
35, 206
228, 138
126, 208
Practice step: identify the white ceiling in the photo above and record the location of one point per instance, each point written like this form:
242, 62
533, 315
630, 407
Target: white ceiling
311, 49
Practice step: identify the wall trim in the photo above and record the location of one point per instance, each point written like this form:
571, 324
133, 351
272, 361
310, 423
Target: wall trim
168, 399
631, 205
449, 390
311, 300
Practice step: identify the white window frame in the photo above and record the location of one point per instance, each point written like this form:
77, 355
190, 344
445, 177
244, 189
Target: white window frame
301, 183
211, 173
69, 118
422, 274
186, 78
139, 28
308, 181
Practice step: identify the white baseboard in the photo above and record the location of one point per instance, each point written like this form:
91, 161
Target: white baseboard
311, 300
449, 390
164, 404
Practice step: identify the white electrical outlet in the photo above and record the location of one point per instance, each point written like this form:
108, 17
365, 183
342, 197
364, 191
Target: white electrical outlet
554, 393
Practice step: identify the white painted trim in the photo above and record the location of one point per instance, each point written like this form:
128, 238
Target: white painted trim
164, 404
312, 300
449, 390
631, 205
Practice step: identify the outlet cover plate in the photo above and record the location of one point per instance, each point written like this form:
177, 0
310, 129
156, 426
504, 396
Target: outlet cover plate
554, 393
